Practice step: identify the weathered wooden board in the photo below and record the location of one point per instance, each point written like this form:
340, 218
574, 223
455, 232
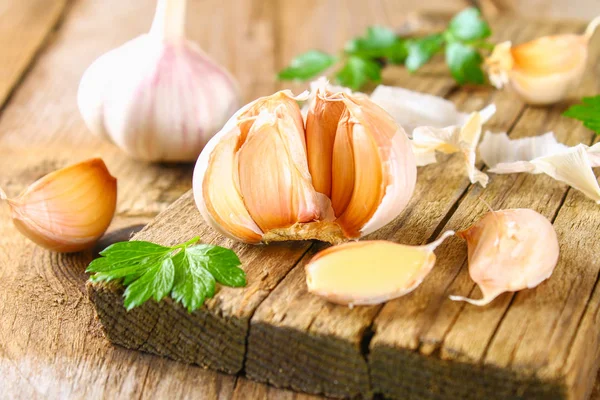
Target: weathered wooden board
533, 344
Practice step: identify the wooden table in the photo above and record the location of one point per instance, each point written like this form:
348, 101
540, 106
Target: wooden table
51, 344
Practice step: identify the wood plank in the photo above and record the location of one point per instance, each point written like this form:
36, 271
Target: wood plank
527, 334
51, 345
21, 46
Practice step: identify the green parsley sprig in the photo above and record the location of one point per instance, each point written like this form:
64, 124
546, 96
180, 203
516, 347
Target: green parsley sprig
364, 57
188, 271
587, 112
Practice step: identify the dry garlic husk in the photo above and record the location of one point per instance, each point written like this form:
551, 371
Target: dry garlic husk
509, 250
413, 109
543, 154
463, 139
265, 177
158, 97
67, 210
544, 70
369, 272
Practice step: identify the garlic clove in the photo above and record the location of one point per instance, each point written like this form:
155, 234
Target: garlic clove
369, 272
158, 97
321, 126
67, 210
464, 139
509, 250
543, 154
343, 168
273, 174
543, 70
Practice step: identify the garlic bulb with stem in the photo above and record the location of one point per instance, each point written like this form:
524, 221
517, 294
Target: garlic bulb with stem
371, 271
509, 250
264, 177
543, 70
67, 210
158, 97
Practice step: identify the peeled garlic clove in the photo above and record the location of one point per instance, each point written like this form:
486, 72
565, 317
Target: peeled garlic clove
158, 97
369, 272
509, 250
543, 70
265, 177
543, 154
69, 209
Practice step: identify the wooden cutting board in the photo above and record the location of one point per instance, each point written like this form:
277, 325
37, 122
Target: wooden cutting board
540, 343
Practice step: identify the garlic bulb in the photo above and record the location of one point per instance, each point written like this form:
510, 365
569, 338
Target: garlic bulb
509, 250
158, 97
369, 272
543, 70
264, 177
67, 210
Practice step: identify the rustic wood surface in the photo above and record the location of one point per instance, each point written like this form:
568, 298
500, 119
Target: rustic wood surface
51, 345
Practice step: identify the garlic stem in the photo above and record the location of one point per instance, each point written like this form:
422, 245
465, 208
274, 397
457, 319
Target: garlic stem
169, 20
3, 195
433, 245
591, 28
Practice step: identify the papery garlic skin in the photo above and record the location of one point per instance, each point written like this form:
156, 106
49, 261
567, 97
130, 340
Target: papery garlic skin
544, 70
67, 210
264, 177
158, 97
543, 154
509, 250
369, 272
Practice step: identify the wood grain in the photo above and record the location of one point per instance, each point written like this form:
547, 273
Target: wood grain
51, 344
20, 46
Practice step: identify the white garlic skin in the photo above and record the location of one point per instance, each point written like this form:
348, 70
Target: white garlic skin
510, 250
157, 99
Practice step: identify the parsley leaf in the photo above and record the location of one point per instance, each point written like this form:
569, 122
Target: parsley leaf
187, 271
588, 112
465, 63
307, 65
421, 50
376, 43
468, 25
358, 71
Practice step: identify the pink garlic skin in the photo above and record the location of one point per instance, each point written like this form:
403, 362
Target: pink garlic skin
509, 250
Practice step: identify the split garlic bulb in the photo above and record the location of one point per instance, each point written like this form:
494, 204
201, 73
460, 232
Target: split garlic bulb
264, 177
158, 97
369, 272
543, 70
67, 210
509, 250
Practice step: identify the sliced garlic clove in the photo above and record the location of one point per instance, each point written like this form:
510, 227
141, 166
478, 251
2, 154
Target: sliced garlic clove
369, 272
509, 250
543, 70
427, 140
543, 154
67, 210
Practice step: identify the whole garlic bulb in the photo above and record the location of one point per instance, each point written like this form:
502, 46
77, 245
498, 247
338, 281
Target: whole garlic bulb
264, 177
67, 210
158, 97
509, 250
543, 70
